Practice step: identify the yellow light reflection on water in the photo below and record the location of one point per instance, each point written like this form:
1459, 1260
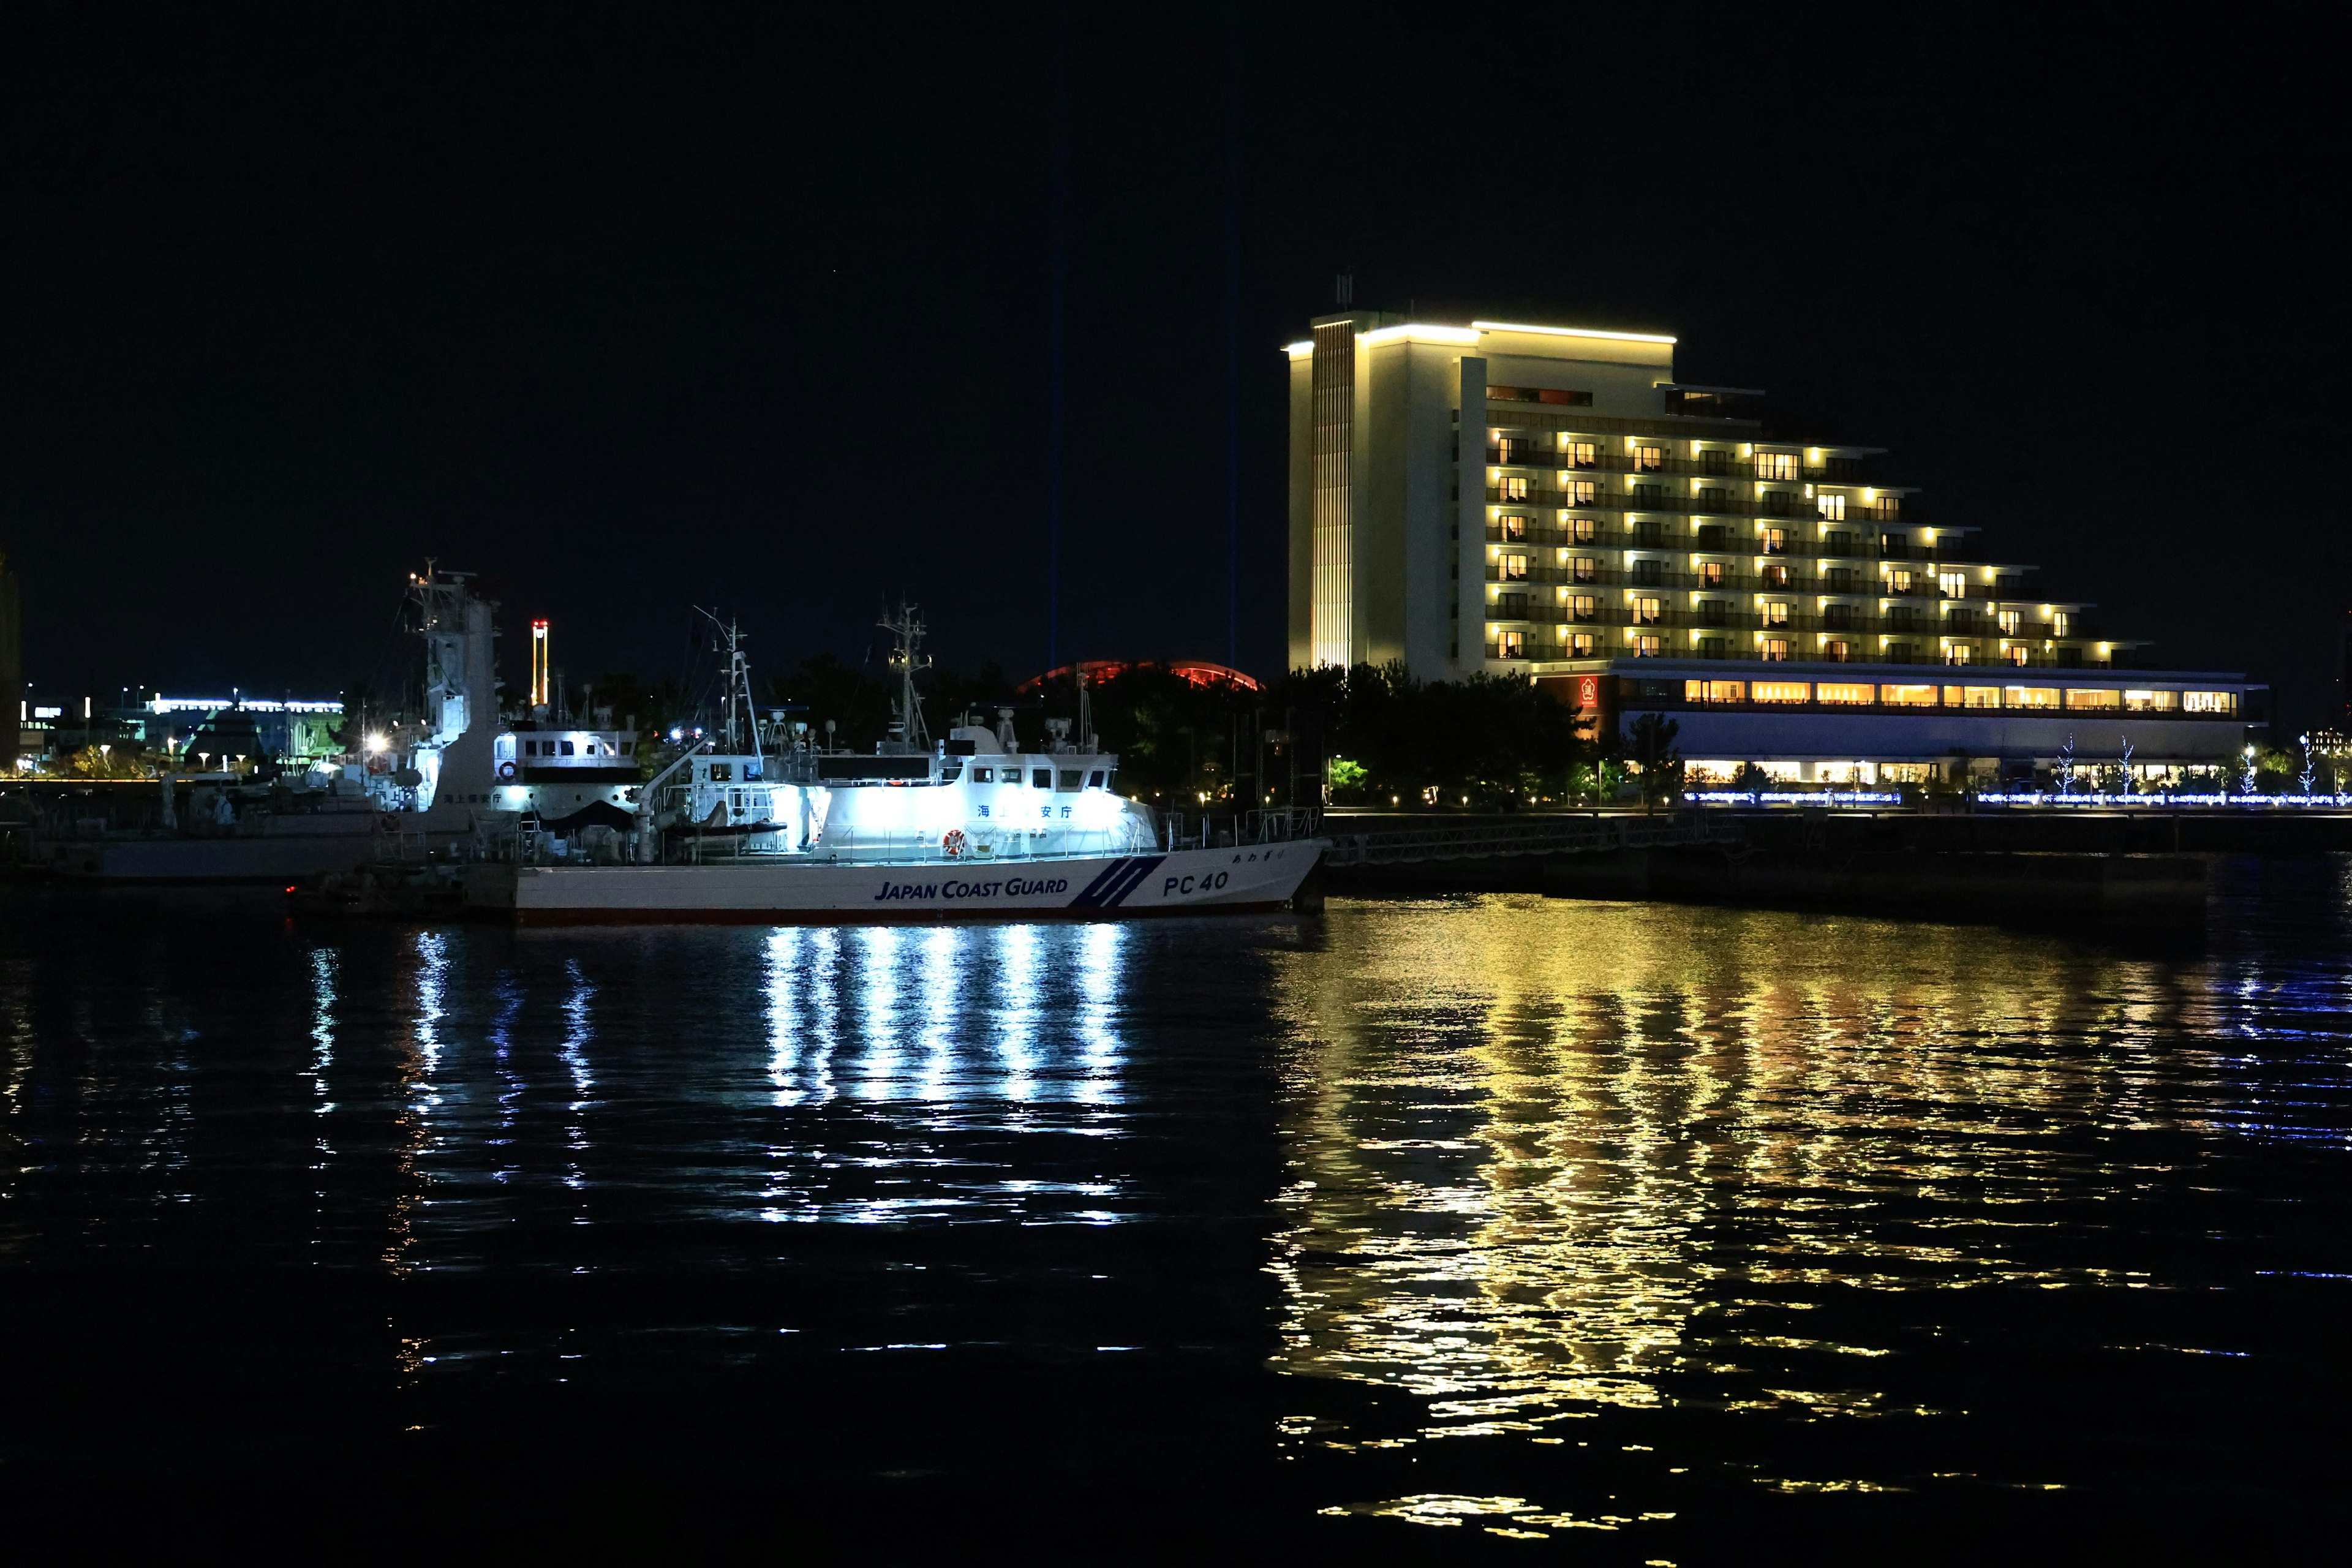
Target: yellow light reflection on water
1529, 1141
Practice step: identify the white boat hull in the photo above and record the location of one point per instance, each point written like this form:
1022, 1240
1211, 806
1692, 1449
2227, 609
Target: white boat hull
1110, 887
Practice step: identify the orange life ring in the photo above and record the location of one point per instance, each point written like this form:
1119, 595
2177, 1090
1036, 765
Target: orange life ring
953, 843
506, 773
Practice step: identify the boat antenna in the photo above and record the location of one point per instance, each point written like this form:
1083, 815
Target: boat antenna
907, 660
739, 687
1085, 711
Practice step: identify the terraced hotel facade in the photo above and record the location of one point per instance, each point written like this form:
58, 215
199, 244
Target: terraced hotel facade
1638, 544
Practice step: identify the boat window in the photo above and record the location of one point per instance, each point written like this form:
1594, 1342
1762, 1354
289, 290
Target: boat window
628, 748
1041, 778
1069, 778
951, 770
1095, 779
567, 747
983, 775
722, 773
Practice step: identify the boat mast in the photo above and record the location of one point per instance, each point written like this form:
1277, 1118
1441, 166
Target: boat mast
907, 661
738, 689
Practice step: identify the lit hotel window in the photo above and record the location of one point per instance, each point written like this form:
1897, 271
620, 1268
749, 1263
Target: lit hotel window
1581, 492
1511, 645
1972, 697
1582, 529
2095, 699
1715, 691
1776, 466
1648, 612
2209, 701
1776, 650
1776, 541
1782, 691
1649, 459
1908, 696
1515, 568
2009, 621
1952, 585
1648, 645
2029, 697
1582, 454
1511, 486
1833, 507
1959, 653
1579, 644
1839, 691
1838, 651
2018, 654
1514, 525
1710, 574
2151, 701
1583, 607
1776, 614
2059, 621
1584, 569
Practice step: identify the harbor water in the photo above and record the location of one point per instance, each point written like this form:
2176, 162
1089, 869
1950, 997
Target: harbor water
1430, 1229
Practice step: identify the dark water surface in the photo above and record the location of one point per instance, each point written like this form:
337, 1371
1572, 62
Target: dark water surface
1491, 1227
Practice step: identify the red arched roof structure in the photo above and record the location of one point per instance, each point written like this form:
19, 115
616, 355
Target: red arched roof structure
1199, 672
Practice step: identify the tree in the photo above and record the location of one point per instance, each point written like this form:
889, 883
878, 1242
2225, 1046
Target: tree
1653, 748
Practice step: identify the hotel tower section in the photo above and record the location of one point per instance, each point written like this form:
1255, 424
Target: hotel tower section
1551, 501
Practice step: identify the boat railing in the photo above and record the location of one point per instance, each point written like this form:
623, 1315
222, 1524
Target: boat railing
1269, 825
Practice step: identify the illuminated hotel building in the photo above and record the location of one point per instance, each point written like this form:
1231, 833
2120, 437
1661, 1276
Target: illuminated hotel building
1635, 543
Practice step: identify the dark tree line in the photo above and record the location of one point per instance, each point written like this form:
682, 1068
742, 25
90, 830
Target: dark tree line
1367, 736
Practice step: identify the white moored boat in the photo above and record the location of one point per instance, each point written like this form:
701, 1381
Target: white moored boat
766, 887
971, 827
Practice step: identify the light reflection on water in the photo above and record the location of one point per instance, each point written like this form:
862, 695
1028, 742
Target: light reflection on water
1501, 1171
1548, 1158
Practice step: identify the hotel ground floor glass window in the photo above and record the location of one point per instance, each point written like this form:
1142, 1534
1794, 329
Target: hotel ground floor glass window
1844, 692
1907, 696
2029, 696
1715, 691
1782, 691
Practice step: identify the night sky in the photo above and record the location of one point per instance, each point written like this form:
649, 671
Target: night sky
637, 310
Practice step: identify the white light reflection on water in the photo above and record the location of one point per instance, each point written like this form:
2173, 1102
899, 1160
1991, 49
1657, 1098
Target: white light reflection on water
1545, 1157
578, 1030
879, 952
1017, 1011
945, 952
510, 1082
1100, 951
432, 983
419, 1099
322, 1041
783, 962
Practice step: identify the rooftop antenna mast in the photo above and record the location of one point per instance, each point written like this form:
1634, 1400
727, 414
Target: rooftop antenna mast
907, 660
738, 684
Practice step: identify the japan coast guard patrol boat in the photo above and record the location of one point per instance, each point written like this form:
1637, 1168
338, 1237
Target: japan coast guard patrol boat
773, 828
